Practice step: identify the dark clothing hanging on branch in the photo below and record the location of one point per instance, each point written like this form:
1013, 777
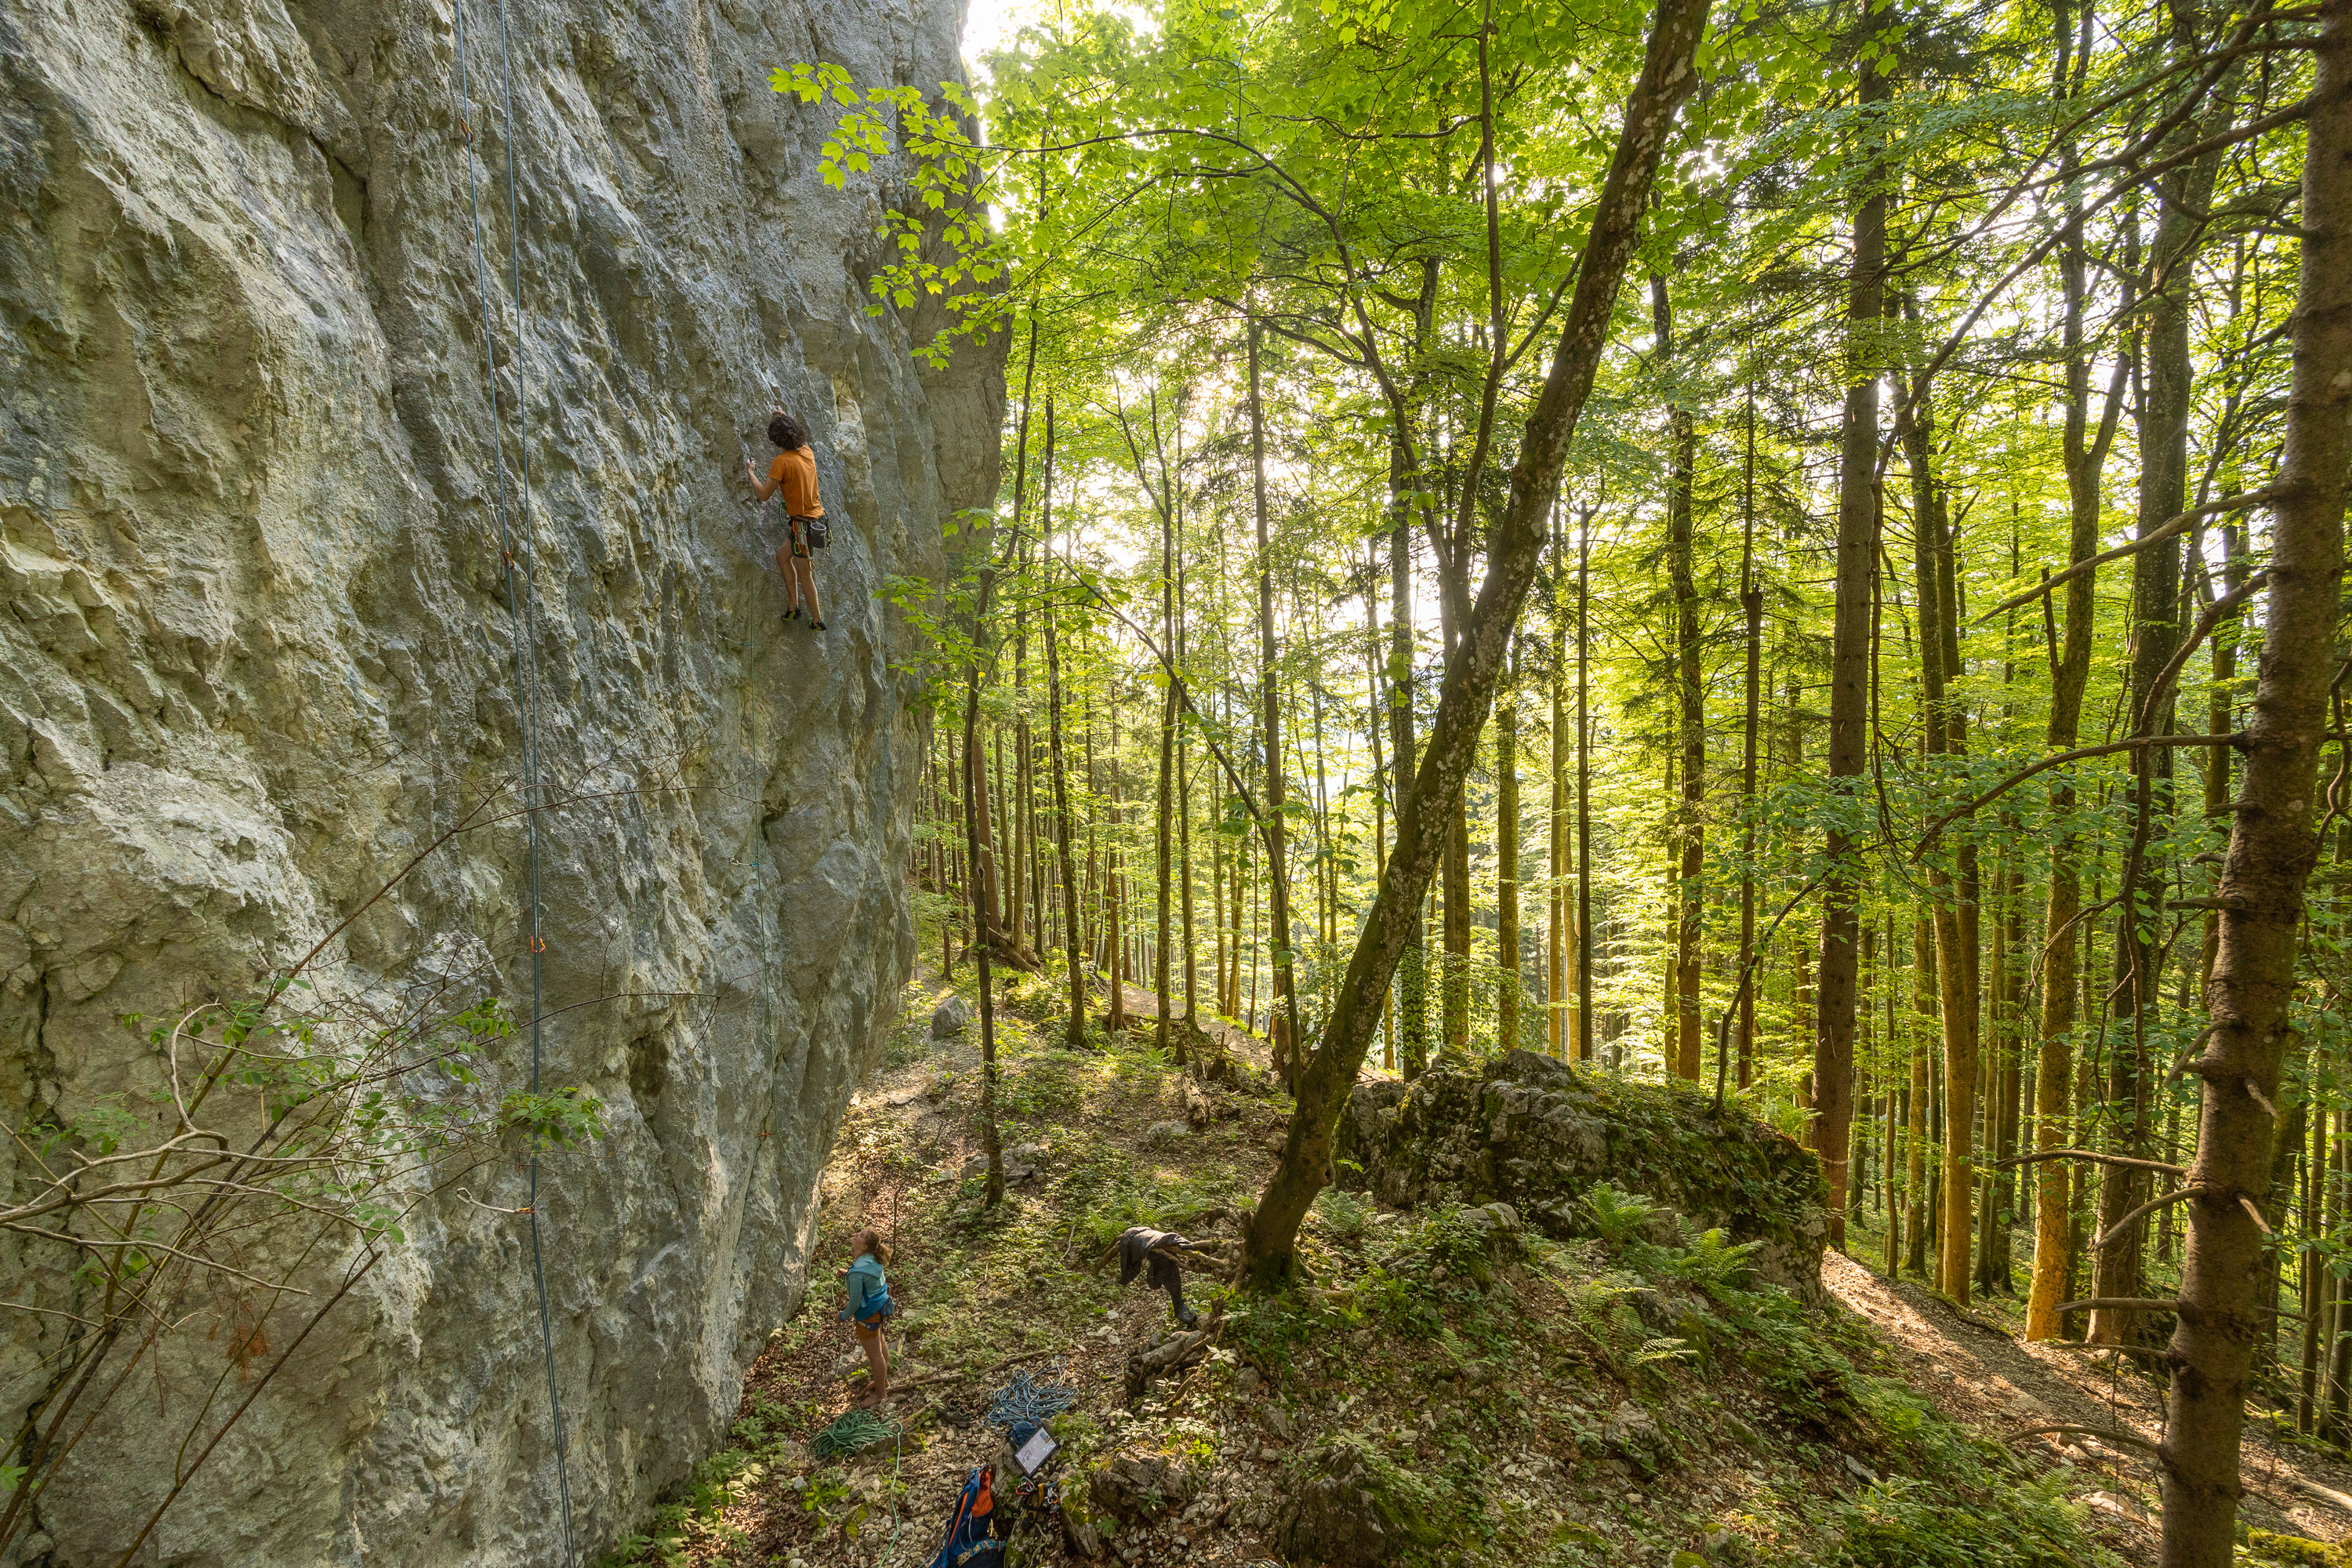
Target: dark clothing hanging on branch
1139, 1244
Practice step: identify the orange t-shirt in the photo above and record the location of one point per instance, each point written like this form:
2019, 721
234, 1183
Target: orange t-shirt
796, 472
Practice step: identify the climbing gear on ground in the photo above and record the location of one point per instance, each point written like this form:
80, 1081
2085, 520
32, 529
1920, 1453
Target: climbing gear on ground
1139, 1243
1034, 1505
853, 1434
969, 1543
1033, 1447
1026, 1400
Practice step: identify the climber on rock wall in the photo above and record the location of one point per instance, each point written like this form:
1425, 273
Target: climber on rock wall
793, 471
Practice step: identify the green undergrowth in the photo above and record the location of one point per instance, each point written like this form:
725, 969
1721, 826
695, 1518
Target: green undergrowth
1632, 1396
1611, 1400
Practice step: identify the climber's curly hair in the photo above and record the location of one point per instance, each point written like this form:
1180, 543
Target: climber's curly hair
786, 433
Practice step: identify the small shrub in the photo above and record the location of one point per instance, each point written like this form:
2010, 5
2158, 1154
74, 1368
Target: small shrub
1343, 1216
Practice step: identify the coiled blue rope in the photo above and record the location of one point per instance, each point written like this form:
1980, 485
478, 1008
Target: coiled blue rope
1026, 1400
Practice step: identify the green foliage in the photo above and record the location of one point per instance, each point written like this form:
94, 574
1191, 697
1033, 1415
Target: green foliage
1617, 1217
1713, 1262
1904, 1522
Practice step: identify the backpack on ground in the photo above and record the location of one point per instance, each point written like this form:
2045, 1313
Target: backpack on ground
968, 1543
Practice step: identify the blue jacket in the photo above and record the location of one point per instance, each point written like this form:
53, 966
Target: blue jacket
870, 1292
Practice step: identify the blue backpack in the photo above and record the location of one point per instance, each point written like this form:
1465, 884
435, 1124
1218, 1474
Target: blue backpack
968, 1543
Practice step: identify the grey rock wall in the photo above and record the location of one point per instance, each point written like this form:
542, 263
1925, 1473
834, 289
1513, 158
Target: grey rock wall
255, 655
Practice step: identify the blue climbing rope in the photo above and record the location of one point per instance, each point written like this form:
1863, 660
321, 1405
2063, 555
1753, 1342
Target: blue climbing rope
522, 611
1025, 1400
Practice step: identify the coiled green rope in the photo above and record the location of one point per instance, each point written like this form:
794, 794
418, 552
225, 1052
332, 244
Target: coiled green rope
853, 1434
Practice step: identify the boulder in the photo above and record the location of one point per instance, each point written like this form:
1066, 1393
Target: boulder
1134, 1488
1634, 1435
1165, 1134
951, 1018
1536, 1134
1345, 1502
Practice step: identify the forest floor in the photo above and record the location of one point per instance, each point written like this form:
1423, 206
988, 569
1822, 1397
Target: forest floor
1979, 1373
1489, 1398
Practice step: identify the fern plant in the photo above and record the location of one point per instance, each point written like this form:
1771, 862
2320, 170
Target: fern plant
1617, 1217
1714, 1262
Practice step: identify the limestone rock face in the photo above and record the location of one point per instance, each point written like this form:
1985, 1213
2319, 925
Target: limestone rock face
1538, 1132
259, 653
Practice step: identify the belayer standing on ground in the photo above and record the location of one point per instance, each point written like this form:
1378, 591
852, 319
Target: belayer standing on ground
870, 1310
793, 471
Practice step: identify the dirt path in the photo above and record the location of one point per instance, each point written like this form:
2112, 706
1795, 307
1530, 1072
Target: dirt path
1978, 1374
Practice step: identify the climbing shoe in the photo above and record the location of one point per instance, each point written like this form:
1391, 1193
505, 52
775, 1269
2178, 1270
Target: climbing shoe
816, 626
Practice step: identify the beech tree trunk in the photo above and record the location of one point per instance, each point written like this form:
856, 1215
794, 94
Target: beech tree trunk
1857, 557
1074, 951
1507, 859
2069, 675
2272, 845
1690, 843
1284, 1029
1476, 662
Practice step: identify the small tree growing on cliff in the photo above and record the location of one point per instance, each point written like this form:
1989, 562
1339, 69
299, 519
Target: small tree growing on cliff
284, 1145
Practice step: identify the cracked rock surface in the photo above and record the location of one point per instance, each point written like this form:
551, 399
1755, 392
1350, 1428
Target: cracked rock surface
257, 654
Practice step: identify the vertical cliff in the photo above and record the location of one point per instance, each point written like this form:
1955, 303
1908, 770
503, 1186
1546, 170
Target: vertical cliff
256, 654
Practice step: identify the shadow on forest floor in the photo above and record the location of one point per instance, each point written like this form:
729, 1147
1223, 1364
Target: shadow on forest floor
1479, 1393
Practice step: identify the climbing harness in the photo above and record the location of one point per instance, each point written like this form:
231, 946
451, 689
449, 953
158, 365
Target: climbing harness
522, 611
1026, 1401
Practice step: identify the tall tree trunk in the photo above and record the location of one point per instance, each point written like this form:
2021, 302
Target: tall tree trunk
2070, 674
1556, 992
1413, 982
1690, 866
1952, 896
1507, 853
1476, 662
1857, 551
1285, 1030
1165, 844
1455, 980
1113, 927
1751, 603
1583, 790
1073, 953
2272, 845
1923, 1006
2185, 193
983, 905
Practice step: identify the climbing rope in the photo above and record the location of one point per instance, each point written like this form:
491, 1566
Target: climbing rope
522, 612
1026, 1400
853, 1434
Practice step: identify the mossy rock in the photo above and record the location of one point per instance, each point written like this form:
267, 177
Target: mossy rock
1536, 1132
2294, 1552
1349, 1503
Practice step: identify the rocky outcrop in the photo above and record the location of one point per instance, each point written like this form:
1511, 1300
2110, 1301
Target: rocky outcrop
257, 655
1537, 1133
